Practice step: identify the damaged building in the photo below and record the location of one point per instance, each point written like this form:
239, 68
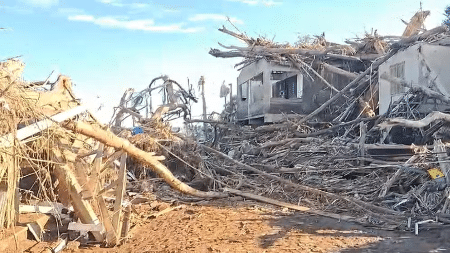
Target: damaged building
421, 65
269, 90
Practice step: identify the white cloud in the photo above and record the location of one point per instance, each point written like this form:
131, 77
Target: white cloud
270, 3
139, 24
139, 6
69, 11
116, 3
17, 9
41, 3
87, 18
214, 17
249, 2
267, 3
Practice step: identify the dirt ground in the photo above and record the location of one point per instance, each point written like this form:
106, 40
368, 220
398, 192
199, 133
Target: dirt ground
253, 227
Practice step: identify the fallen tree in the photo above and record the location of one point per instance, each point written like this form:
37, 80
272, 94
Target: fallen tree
109, 139
430, 118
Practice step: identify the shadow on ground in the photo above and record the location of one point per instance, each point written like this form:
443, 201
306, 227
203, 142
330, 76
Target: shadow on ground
428, 240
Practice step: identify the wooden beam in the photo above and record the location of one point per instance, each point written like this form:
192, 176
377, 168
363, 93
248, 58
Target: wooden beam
339, 71
120, 190
67, 179
37, 209
111, 237
94, 179
110, 160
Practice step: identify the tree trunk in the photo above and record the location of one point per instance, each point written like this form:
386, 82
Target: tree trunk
109, 139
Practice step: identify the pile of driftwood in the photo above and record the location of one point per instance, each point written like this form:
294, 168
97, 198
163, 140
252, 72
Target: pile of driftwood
355, 167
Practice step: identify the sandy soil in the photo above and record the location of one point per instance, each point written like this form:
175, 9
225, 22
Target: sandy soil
252, 227
238, 229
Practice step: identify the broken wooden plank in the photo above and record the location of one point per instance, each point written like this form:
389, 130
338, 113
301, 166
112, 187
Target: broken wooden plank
35, 230
110, 160
415, 24
386, 186
76, 226
270, 144
111, 236
37, 209
120, 190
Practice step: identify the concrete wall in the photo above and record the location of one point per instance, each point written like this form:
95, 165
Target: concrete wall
411, 58
259, 95
437, 59
260, 100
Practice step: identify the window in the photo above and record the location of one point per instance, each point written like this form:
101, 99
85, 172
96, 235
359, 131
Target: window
289, 88
398, 71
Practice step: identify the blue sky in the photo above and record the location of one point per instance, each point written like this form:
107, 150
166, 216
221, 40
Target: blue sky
107, 46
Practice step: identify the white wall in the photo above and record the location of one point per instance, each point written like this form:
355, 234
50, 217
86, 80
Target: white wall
411, 58
437, 58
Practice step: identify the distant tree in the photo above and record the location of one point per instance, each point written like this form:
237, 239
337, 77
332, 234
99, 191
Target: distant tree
447, 16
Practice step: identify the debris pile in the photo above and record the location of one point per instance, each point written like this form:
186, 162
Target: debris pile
382, 170
57, 159
341, 160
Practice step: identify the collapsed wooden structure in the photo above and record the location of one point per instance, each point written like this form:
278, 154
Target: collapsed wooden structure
55, 154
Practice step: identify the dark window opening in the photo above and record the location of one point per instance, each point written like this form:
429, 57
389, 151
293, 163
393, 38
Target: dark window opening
286, 88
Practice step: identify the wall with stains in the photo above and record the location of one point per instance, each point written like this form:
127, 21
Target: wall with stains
425, 65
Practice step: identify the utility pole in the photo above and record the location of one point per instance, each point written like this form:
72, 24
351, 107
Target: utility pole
202, 83
231, 95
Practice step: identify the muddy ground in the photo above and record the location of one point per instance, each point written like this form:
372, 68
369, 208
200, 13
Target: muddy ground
252, 227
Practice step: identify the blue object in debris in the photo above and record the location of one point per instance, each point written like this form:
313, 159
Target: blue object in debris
137, 130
